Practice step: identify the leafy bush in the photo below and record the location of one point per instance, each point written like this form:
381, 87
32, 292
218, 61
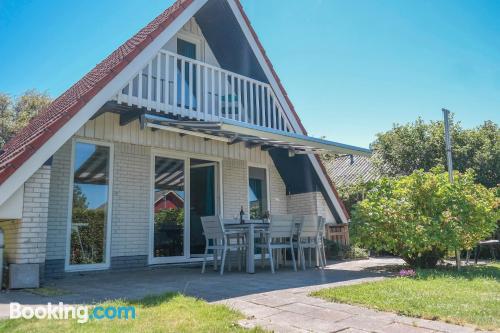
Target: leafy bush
336, 251
170, 216
87, 238
332, 249
354, 252
421, 216
354, 192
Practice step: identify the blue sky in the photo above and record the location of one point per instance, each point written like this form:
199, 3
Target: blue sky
352, 68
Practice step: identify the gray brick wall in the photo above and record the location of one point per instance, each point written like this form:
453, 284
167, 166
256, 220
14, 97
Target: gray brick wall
127, 262
323, 208
302, 204
25, 239
131, 196
235, 186
309, 203
277, 191
58, 202
53, 268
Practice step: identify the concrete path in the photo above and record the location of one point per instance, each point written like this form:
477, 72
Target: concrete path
277, 302
293, 310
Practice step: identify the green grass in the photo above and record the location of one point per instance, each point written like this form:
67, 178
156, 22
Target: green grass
470, 296
167, 313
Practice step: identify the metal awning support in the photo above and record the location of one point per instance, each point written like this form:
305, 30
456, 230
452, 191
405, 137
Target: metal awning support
231, 131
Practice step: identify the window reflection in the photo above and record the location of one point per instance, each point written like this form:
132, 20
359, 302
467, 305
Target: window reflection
169, 207
90, 204
257, 192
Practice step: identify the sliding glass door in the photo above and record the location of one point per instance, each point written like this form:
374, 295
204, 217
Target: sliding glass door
184, 190
203, 202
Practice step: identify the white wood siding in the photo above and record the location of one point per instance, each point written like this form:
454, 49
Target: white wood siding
107, 127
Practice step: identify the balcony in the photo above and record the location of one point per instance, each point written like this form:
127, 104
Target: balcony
177, 85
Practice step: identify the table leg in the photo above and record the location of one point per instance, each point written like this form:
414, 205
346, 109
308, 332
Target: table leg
251, 250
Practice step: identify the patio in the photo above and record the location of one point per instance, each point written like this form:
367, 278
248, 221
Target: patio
278, 302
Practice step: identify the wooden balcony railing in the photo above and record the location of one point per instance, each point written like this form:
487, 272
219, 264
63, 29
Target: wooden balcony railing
174, 84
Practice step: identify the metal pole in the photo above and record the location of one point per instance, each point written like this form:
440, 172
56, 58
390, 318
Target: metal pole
447, 140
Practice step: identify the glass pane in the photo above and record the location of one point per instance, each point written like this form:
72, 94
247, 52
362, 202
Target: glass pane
202, 201
169, 207
257, 192
90, 204
187, 49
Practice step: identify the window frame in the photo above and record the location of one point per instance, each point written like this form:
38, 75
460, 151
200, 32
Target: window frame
193, 39
107, 257
268, 184
186, 156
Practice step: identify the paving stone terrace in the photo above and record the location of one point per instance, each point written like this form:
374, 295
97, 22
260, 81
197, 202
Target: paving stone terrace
278, 302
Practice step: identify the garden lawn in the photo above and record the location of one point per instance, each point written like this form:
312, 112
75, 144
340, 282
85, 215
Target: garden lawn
470, 296
167, 313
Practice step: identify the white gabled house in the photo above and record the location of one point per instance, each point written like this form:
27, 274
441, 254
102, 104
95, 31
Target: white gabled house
185, 119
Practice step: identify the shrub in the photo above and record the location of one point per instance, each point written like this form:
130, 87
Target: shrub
421, 216
336, 251
354, 252
332, 249
355, 192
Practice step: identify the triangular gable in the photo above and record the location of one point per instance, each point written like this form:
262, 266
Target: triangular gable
65, 115
56, 124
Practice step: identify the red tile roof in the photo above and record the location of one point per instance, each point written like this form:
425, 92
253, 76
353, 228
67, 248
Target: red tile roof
20, 148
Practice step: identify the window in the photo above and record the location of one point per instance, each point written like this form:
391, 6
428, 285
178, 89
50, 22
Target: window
168, 207
89, 213
186, 48
257, 192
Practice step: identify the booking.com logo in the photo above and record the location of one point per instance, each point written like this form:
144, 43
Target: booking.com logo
81, 313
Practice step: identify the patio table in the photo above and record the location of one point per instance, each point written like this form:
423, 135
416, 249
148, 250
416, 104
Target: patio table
249, 227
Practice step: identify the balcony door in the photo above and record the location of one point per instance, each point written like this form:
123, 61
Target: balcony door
190, 50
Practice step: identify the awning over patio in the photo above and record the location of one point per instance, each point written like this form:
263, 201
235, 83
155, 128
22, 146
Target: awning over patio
231, 131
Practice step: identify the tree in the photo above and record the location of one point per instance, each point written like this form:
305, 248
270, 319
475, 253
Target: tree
421, 216
88, 230
354, 192
420, 145
16, 113
7, 118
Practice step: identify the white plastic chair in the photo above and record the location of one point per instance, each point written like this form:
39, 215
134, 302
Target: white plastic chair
214, 231
278, 236
310, 237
